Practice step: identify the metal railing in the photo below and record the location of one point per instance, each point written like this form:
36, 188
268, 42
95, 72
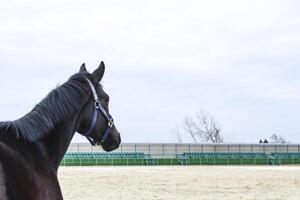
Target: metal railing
180, 161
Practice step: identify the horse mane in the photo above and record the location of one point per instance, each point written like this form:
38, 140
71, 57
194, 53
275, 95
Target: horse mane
61, 103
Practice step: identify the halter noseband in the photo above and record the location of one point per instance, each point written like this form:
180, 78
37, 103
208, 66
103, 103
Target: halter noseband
108, 117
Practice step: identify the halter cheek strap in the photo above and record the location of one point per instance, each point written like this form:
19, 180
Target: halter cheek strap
98, 107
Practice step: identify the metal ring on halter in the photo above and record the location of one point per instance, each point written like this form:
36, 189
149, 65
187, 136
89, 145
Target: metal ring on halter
97, 104
111, 122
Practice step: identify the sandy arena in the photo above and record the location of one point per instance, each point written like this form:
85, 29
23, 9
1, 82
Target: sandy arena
176, 182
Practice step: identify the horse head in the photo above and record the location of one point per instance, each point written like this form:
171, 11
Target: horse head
96, 123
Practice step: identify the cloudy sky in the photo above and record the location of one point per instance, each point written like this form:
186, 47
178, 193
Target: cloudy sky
238, 60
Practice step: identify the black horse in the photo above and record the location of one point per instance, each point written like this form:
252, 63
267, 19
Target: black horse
32, 147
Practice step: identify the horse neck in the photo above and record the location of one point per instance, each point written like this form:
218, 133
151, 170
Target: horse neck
59, 139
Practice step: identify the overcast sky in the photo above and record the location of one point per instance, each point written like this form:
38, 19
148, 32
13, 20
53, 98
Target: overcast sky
238, 60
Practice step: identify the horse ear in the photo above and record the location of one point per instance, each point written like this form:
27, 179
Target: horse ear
99, 72
82, 68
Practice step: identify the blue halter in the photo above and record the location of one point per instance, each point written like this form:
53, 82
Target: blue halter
108, 117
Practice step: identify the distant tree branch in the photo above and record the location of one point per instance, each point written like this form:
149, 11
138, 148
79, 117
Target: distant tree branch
277, 139
203, 128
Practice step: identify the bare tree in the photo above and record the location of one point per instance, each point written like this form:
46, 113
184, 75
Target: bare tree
203, 127
277, 139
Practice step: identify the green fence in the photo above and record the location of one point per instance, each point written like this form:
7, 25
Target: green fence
180, 161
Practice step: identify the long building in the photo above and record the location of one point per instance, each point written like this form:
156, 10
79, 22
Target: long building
171, 150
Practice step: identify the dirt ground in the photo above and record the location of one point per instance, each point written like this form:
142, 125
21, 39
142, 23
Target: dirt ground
181, 182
